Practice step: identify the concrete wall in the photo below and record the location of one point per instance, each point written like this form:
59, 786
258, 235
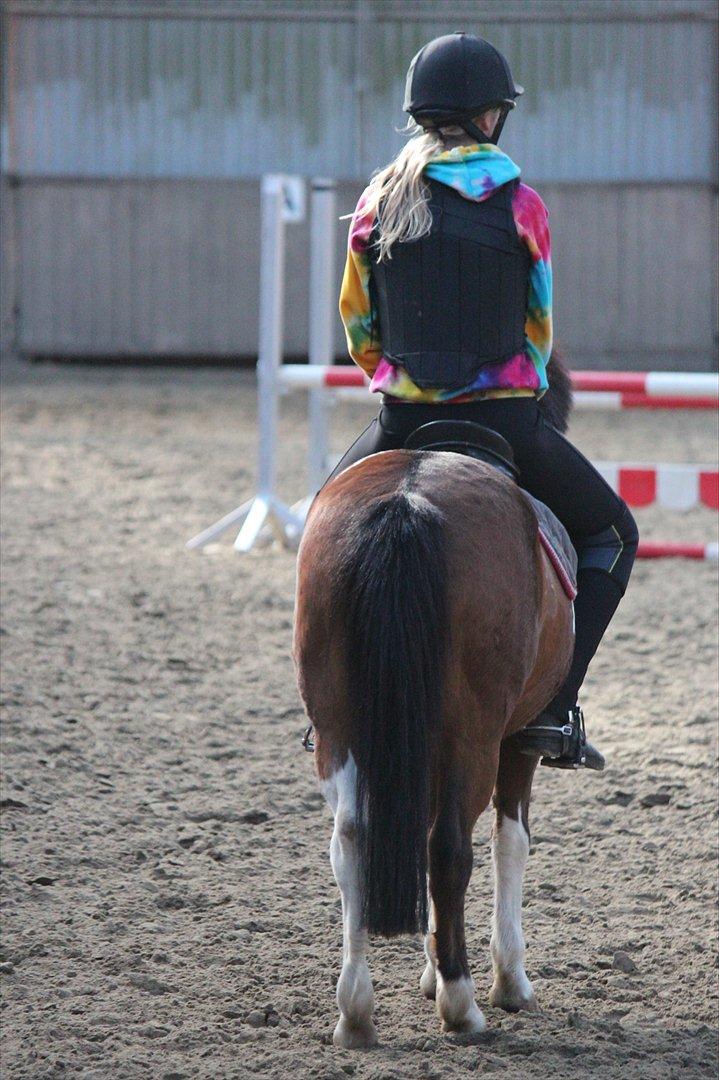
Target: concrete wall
171, 267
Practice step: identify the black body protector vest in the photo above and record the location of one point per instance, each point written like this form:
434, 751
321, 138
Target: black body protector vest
456, 299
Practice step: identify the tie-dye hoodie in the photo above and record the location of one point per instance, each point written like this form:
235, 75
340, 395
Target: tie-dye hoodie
475, 171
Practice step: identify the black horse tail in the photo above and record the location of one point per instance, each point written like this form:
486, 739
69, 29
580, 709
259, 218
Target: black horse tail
556, 404
397, 630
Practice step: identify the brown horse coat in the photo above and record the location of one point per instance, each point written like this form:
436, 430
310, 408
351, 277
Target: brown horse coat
430, 625
510, 619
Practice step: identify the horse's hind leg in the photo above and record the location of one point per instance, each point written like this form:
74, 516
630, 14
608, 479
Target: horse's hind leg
450, 868
355, 998
511, 989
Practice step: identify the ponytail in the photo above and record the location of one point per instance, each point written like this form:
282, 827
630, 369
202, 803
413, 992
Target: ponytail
401, 191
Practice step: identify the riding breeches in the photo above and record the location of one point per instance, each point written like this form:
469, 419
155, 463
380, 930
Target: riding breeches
599, 523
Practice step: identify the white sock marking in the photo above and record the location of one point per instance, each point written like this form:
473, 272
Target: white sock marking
428, 981
354, 988
510, 848
456, 1005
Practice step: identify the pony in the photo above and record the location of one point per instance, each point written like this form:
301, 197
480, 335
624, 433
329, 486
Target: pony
430, 626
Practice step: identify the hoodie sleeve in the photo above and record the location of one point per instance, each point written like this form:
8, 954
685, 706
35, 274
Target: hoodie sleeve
531, 217
355, 303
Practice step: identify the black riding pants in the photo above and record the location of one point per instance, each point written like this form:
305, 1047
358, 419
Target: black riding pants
599, 523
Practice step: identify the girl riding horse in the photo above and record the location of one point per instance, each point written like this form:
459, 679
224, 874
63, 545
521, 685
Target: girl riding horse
431, 629
447, 306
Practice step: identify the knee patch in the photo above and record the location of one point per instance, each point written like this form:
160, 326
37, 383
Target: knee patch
613, 549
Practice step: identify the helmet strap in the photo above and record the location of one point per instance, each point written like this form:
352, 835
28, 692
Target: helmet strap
476, 132
500, 124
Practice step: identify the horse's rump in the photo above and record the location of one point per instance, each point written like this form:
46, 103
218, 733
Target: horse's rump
397, 550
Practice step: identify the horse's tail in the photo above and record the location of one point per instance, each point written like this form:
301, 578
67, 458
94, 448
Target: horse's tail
396, 640
557, 403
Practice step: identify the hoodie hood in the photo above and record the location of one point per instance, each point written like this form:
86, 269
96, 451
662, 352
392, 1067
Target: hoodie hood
474, 171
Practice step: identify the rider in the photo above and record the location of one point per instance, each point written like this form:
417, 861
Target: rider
447, 306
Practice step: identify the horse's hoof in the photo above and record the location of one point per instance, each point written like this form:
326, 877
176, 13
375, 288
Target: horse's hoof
512, 999
428, 983
472, 1024
355, 1037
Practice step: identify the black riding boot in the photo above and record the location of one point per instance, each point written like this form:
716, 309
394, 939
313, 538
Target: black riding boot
560, 745
557, 734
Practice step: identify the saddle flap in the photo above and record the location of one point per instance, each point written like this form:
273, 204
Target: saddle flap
465, 437
559, 548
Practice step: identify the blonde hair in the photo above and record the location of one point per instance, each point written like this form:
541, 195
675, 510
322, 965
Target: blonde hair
401, 191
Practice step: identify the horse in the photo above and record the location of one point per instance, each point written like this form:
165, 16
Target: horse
430, 626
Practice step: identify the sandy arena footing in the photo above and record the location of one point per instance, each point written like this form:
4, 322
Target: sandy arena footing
169, 909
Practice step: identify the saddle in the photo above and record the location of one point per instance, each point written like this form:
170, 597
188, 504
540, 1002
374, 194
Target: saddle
468, 438
484, 444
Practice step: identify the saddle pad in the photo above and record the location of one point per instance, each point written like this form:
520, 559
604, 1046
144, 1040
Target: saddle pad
555, 541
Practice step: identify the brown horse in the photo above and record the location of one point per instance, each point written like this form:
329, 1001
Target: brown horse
430, 625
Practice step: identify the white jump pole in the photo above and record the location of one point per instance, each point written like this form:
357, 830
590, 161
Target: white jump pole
323, 222
265, 508
322, 380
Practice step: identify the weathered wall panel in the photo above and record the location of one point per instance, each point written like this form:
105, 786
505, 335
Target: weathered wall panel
165, 267
621, 99
635, 273
164, 97
617, 128
603, 101
172, 268
8, 279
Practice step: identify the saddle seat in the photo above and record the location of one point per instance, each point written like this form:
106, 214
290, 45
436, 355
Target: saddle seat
484, 444
468, 438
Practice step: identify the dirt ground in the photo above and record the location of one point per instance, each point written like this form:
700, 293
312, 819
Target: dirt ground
169, 909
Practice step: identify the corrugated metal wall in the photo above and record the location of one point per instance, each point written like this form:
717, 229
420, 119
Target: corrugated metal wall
132, 96
133, 135
603, 101
163, 97
153, 267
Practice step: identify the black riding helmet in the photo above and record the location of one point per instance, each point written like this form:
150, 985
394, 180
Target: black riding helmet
455, 77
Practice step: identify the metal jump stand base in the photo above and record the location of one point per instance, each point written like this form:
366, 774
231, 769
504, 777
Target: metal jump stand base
266, 514
260, 517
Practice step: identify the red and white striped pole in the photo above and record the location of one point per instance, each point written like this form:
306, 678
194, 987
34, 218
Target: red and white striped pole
650, 549
652, 384
637, 387
611, 400
674, 486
